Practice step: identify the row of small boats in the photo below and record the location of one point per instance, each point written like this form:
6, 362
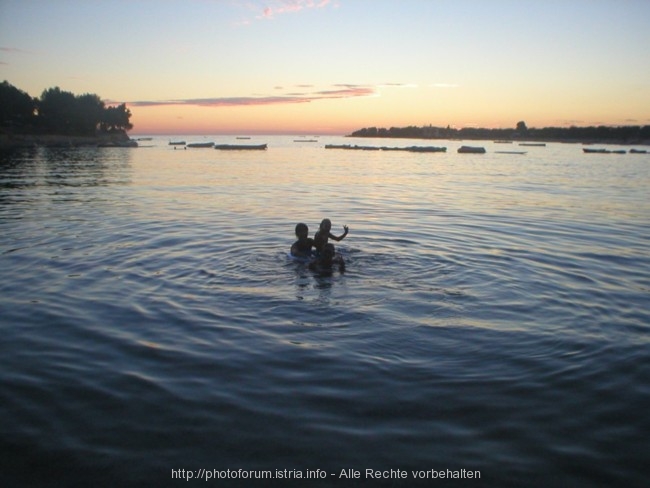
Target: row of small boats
612, 151
224, 147
418, 149
540, 144
386, 148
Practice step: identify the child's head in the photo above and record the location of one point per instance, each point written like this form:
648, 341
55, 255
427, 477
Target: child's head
328, 252
326, 225
302, 231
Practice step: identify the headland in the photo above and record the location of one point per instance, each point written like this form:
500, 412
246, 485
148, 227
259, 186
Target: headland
585, 135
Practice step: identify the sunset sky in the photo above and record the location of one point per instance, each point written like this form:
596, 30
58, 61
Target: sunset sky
334, 66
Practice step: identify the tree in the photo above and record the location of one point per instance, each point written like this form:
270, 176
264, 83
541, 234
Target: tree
116, 118
59, 112
521, 127
56, 111
62, 112
16, 107
88, 112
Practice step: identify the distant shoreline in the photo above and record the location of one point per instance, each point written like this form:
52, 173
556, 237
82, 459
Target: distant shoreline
16, 141
622, 135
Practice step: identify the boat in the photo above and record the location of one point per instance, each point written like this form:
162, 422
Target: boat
240, 147
595, 151
638, 151
305, 140
418, 149
424, 149
539, 144
503, 142
471, 150
243, 137
355, 147
176, 143
619, 151
201, 144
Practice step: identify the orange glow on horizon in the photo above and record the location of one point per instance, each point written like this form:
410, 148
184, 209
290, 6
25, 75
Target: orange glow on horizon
485, 106
302, 119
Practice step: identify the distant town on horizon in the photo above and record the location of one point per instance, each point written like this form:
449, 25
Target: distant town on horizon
632, 134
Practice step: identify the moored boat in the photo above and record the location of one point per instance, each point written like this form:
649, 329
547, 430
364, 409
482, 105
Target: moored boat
538, 144
424, 149
419, 149
201, 144
595, 151
638, 151
176, 143
240, 147
355, 147
471, 150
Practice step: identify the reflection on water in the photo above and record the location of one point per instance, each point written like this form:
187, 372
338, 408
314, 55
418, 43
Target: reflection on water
493, 314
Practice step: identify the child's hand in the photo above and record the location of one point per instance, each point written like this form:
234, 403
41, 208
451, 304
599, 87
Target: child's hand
345, 228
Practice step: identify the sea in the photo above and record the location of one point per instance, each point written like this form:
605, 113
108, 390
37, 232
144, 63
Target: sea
491, 328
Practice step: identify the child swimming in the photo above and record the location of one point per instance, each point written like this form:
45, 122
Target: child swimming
326, 260
302, 247
323, 234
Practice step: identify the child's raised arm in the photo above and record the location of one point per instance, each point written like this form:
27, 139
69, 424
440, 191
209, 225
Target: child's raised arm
339, 238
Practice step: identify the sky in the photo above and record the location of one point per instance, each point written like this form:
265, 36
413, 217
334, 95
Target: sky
335, 66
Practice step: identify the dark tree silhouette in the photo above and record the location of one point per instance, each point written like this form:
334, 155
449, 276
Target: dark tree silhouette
116, 118
17, 108
59, 112
89, 110
56, 111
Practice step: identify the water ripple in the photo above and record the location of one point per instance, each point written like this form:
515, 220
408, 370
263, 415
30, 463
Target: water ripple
493, 315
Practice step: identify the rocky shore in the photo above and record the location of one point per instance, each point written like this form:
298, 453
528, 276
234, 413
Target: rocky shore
11, 141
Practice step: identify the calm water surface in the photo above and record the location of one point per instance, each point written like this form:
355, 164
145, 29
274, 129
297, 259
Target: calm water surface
494, 315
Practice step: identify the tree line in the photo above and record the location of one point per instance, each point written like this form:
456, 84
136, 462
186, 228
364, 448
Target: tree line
59, 112
621, 134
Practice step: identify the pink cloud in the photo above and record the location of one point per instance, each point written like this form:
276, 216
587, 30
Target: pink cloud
14, 50
220, 101
340, 91
280, 7
350, 92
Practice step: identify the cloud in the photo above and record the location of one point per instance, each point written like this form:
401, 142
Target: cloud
398, 85
259, 10
350, 92
14, 50
337, 92
220, 101
280, 7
